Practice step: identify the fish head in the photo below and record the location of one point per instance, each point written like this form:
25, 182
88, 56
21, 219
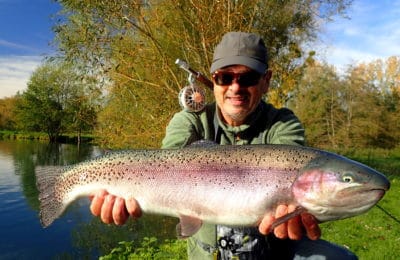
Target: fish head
334, 187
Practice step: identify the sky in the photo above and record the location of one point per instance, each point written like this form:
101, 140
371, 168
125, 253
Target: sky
371, 32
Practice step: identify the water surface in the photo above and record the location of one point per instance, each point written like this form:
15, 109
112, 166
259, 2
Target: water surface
76, 234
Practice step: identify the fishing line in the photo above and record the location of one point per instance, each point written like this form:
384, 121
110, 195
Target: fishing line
389, 214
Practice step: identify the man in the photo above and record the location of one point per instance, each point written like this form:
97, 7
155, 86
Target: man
238, 117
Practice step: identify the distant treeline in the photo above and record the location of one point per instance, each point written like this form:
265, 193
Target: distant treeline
357, 108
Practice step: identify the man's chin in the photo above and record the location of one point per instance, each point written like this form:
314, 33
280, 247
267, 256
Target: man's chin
238, 115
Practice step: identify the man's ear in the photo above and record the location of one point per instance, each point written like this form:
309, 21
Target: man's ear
267, 78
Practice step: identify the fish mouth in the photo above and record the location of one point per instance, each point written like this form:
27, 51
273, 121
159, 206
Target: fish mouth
357, 200
379, 192
348, 204
372, 194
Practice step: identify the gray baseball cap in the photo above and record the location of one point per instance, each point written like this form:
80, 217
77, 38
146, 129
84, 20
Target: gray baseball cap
240, 48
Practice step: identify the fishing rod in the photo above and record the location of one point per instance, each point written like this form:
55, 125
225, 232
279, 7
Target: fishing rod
192, 98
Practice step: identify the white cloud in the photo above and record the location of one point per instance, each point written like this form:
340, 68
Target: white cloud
15, 72
4, 43
372, 32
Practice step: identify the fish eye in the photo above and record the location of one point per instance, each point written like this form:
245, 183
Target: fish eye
347, 178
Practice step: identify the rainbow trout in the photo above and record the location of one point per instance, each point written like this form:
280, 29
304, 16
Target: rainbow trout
229, 185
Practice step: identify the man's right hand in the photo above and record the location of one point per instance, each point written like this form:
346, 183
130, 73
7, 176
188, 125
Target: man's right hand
113, 209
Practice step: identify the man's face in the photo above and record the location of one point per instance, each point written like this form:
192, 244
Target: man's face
238, 98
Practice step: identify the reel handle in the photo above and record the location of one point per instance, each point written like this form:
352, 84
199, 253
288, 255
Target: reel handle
197, 75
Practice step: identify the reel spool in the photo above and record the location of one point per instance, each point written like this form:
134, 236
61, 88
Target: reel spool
192, 98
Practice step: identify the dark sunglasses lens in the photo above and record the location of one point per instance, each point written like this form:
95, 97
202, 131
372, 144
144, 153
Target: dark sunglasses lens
249, 79
224, 79
246, 79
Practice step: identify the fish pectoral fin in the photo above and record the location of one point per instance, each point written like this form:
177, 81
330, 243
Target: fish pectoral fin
288, 216
188, 226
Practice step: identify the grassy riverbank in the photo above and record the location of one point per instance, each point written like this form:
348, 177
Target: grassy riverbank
43, 137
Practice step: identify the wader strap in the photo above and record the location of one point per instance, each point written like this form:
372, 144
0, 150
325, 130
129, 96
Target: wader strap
217, 129
206, 247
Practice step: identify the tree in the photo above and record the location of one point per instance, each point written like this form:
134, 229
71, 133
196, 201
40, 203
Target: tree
135, 43
382, 81
389, 84
360, 109
83, 104
7, 120
55, 101
317, 104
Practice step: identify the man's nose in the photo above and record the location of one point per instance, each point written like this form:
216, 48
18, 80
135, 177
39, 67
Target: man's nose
235, 86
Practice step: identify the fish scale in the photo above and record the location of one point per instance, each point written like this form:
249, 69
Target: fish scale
228, 185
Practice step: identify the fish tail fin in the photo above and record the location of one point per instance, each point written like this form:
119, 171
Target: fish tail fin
51, 203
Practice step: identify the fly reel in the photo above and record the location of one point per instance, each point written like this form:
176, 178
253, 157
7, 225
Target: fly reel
192, 98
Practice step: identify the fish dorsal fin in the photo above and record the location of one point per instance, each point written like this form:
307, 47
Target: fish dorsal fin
203, 144
188, 226
288, 216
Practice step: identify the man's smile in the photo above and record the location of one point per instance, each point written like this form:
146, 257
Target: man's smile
237, 100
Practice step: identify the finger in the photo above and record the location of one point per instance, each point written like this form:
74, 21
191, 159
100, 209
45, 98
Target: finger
311, 225
97, 202
133, 208
294, 225
119, 212
107, 208
281, 230
265, 225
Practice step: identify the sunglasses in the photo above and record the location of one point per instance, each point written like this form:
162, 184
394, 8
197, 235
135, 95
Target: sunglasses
245, 79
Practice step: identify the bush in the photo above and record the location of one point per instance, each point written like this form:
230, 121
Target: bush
149, 249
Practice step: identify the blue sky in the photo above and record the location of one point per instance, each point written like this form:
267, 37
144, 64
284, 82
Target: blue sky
372, 32
25, 35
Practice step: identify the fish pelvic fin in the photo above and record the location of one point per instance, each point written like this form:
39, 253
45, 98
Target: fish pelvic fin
51, 205
287, 217
187, 226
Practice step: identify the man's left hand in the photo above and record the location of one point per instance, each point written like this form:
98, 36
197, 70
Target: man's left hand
292, 229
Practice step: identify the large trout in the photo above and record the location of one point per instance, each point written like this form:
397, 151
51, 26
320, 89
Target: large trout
229, 185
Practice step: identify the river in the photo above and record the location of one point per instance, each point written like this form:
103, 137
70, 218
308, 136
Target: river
77, 234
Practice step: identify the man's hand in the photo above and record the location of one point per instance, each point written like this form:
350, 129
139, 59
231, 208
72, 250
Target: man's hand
113, 209
294, 228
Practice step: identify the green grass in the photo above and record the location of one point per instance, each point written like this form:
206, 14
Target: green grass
149, 249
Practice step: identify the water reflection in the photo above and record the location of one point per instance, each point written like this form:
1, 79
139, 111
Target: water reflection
76, 234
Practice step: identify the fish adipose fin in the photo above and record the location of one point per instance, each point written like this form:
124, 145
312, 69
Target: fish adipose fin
287, 217
187, 226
